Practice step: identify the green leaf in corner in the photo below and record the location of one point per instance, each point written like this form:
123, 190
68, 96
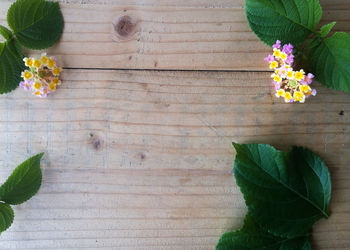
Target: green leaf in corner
11, 65
325, 29
286, 193
37, 24
251, 236
6, 216
23, 183
330, 61
290, 21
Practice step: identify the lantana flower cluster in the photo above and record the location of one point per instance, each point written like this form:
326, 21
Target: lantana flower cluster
293, 86
42, 75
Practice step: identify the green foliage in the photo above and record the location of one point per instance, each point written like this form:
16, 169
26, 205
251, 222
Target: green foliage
325, 29
23, 183
11, 65
27, 176
285, 192
37, 24
330, 61
6, 216
290, 21
252, 236
5, 32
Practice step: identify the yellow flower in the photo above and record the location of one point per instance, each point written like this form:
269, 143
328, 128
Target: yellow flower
305, 88
287, 97
28, 62
37, 63
290, 74
52, 86
280, 93
37, 93
277, 53
273, 65
51, 63
283, 56
56, 71
37, 85
56, 81
299, 96
299, 75
44, 60
27, 75
277, 78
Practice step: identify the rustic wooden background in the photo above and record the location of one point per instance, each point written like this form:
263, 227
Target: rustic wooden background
138, 137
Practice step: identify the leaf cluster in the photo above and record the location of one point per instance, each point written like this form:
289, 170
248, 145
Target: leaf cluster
35, 24
295, 21
285, 192
21, 185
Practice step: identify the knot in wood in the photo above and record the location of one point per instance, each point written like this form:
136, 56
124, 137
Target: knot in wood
96, 142
124, 27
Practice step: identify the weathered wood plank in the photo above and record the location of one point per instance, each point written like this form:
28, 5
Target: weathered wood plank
182, 35
142, 160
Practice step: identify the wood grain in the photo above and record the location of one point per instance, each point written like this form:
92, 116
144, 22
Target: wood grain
143, 159
182, 34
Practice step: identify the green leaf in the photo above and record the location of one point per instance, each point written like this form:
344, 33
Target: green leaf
6, 216
5, 32
286, 193
37, 24
290, 21
251, 236
325, 29
11, 65
23, 183
330, 61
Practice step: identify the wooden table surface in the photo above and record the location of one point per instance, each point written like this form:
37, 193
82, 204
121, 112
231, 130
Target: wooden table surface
138, 137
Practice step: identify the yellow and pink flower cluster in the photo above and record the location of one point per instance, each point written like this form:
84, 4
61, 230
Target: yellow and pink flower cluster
42, 75
291, 85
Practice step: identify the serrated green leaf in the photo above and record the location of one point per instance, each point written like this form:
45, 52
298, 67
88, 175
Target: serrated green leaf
37, 24
290, 21
11, 65
252, 236
23, 183
6, 216
325, 29
330, 61
286, 193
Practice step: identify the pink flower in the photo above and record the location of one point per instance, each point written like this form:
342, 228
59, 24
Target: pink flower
26, 85
288, 48
22, 84
277, 85
290, 59
307, 79
269, 58
277, 45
